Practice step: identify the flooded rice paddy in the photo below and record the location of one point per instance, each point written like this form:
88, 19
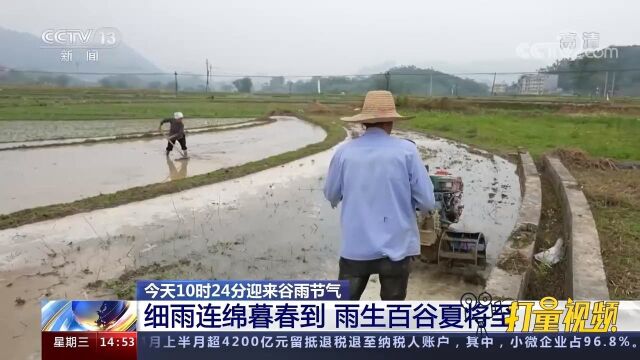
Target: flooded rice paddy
50, 175
274, 224
14, 145
33, 130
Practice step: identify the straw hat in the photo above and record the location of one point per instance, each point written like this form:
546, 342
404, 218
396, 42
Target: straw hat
379, 106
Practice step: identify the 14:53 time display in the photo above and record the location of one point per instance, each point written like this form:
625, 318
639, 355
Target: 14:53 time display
115, 341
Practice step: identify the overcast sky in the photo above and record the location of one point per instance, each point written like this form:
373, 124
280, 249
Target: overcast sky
295, 37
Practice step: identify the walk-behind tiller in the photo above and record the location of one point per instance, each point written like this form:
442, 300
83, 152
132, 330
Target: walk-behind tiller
439, 244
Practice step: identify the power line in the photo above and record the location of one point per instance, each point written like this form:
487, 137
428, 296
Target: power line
88, 73
431, 73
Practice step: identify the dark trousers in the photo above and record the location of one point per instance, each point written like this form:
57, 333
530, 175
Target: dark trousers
182, 141
393, 275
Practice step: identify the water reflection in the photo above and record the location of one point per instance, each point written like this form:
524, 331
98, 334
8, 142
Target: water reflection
179, 171
37, 177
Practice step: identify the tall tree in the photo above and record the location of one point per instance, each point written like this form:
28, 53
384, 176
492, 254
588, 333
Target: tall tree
243, 85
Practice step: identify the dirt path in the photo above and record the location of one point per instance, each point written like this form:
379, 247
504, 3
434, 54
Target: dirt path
44, 176
274, 224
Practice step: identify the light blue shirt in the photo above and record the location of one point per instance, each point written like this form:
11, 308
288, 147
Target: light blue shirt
380, 180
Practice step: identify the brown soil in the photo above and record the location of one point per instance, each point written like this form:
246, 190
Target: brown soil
514, 263
548, 280
598, 109
445, 104
317, 107
124, 285
614, 196
521, 238
579, 159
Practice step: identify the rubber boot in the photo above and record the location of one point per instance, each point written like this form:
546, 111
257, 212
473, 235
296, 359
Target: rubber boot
167, 152
186, 154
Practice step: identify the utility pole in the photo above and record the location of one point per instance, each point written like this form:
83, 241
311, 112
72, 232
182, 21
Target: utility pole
606, 81
175, 77
613, 84
213, 89
431, 84
206, 64
493, 85
209, 75
387, 76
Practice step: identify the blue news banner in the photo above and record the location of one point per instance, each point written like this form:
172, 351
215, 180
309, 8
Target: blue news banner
314, 319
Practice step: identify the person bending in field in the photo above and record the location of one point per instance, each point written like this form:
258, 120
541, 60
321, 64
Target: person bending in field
176, 133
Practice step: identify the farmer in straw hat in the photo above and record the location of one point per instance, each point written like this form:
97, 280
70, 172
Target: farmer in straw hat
380, 181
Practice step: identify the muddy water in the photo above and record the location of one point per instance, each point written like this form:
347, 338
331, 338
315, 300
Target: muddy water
271, 225
125, 136
43, 176
491, 188
491, 201
30, 130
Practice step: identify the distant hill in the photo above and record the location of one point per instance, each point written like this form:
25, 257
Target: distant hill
402, 80
414, 80
22, 51
588, 75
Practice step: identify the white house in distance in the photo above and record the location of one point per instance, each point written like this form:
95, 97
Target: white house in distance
500, 88
4, 70
538, 84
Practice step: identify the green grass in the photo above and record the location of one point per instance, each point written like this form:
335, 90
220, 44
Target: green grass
609, 136
614, 196
97, 104
139, 110
124, 286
